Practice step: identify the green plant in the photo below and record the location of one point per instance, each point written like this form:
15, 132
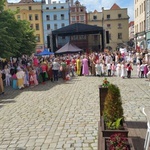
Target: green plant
113, 111
105, 83
118, 141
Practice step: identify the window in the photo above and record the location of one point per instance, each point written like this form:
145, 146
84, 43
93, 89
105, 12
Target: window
135, 13
119, 35
72, 9
30, 8
108, 16
119, 15
30, 17
82, 17
82, 37
62, 25
73, 18
48, 27
62, 7
55, 17
54, 7
81, 9
47, 17
119, 26
108, 25
37, 26
94, 17
47, 8
62, 17
31, 26
75, 37
36, 17
55, 26
63, 37
18, 17
38, 38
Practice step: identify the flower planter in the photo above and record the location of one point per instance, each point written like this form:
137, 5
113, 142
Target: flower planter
109, 132
105, 143
102, 95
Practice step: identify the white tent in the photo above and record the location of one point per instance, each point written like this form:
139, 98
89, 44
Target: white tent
68, 48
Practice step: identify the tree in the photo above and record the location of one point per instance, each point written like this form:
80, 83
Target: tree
2, 5
16, 36
28, 40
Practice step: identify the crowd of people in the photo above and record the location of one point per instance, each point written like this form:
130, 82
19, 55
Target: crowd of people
31, 71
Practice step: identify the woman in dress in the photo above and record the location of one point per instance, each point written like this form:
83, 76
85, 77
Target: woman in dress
118, 69
78, 63
123, 70
20, 78
1, 84
85, 68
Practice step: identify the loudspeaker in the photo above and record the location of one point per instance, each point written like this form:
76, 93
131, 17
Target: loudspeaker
107, 37
48, 41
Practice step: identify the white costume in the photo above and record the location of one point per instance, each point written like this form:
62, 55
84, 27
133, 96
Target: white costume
98, 69
118, 69
123, 70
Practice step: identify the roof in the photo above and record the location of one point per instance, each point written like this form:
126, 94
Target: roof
78, 29
68, 48
115, 6
26, 1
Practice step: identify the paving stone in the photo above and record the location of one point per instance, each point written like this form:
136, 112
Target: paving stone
55, 116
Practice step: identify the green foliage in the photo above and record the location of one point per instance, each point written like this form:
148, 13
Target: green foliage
2, 3
113, 111
16, 36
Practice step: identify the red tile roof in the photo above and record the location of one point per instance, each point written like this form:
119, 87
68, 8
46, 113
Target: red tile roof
115, 6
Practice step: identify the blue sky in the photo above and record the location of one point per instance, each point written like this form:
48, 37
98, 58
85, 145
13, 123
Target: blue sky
98, 4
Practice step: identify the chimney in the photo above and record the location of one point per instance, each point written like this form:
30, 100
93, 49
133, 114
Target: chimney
49, 1
71, 2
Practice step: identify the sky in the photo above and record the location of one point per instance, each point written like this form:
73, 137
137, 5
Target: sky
92, 5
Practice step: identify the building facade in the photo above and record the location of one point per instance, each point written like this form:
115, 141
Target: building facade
148, 25
55, 16
115, 20
30, 11
139, 24
78, 14
131, 30
115, 23
94, 40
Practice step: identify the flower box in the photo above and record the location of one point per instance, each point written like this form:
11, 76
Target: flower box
109, 132
102, 95
105, 144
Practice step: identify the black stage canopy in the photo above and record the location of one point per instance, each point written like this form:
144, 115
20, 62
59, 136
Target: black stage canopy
77, 29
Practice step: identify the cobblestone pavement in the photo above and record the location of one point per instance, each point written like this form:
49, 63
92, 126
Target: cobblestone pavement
63, 115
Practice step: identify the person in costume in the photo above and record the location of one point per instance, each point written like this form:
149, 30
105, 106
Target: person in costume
78, 65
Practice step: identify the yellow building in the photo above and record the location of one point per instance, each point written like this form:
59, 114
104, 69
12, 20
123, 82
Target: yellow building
30, 11
94, 40
115, 20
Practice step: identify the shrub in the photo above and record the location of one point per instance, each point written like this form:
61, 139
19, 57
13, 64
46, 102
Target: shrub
113, 111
